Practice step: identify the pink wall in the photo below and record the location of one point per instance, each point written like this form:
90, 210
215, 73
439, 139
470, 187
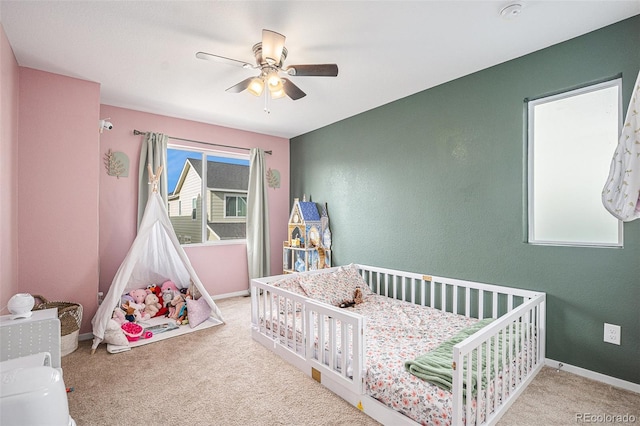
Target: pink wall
58, 166
65, 225
9, 85
221, 268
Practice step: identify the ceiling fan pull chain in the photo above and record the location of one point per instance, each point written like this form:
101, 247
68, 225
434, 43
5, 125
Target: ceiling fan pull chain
266, 102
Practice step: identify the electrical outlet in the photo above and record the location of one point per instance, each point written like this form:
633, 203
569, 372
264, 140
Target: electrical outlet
612, 333
100, 297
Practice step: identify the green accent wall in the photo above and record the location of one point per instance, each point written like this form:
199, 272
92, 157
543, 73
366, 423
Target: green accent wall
435, 183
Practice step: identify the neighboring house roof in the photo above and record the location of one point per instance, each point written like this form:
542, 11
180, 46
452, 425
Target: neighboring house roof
229, 231
220, 176
224, 175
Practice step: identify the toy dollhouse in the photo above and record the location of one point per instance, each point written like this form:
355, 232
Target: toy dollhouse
309, 238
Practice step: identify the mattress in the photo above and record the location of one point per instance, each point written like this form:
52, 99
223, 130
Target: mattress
396, 331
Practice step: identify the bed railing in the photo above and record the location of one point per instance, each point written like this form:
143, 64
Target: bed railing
341, 334
274, 316
520, 327
331, 340
462, 297
503, 358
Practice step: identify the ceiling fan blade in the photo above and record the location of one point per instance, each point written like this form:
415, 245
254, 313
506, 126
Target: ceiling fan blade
292, 90
317, 70
272, 45
240, 86
221, 59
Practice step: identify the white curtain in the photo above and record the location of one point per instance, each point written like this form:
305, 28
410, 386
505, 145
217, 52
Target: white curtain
154, 153
258, 253
621, 193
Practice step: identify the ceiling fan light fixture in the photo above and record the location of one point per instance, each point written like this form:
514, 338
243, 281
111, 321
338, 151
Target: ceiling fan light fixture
256, 86
272, 45
278, 93
274, 80
276, 87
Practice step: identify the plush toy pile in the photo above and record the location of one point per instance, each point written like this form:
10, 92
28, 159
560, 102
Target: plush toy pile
179, 306
154, 301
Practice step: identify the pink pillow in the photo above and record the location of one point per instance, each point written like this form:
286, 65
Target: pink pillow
198, 311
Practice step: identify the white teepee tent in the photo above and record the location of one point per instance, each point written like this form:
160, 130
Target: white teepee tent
154, 256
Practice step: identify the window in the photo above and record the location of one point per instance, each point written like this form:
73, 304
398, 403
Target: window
572, 137
235, 206
215, 185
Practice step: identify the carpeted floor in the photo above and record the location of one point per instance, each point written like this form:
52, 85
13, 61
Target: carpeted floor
220, 376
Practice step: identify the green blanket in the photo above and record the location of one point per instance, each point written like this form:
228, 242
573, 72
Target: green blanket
435, 366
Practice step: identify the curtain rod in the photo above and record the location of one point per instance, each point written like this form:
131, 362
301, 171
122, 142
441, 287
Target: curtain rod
138, 132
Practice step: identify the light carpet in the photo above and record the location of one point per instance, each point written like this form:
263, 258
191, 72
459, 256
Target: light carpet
220, 376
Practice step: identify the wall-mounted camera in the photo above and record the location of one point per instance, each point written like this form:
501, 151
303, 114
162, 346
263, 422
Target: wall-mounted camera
104, 124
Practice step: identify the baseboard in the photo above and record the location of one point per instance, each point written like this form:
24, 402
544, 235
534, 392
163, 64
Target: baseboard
89, 336
613, 381
228, 295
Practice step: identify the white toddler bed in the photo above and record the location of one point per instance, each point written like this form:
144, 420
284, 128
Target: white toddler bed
368, 347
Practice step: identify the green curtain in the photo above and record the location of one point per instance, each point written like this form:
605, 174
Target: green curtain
154, 153
258, 253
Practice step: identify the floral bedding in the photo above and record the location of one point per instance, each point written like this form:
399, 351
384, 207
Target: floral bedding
397, 331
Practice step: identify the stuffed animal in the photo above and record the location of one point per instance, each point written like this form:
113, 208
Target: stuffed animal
182, 315
155, 289
129, 312
176, 305
118, 316
138, 295
167, 297
139, 312
357, 296
126, 298
169, 290
134, 312
169, 285
152, 305
357, 299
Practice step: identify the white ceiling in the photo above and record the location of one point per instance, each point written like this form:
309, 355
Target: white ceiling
143, 52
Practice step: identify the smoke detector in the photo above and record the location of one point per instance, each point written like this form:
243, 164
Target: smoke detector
511, 11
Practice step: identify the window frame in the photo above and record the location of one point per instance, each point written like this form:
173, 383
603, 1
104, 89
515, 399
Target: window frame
237, 197
204, 154
530, 162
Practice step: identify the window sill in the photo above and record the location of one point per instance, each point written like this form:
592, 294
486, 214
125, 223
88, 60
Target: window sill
216, 243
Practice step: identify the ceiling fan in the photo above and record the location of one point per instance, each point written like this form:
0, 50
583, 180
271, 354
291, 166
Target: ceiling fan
270, 55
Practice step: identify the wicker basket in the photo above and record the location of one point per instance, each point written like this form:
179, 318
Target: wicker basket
70, 316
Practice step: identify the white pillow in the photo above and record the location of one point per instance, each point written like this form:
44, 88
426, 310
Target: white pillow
335, 287
114, 335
